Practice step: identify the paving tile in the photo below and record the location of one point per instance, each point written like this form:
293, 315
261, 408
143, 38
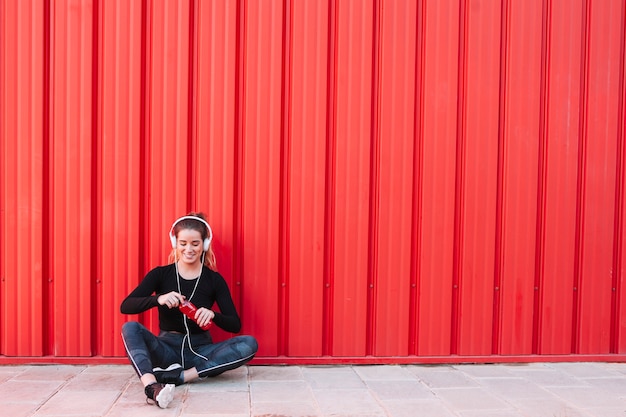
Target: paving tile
606, 412
378, 372
549, 377
346, 402
9, 372
109, 369
471, 399
483, 370
211, 403
5, 376
50, 372
550, 408
280, 391
291, 409
613, 366
133, 393
515, 388
588, 397
275, 373
343, 377
393, 390
19, 409
212, 415
442, 377
583, 370
28, 391
421, 408
615, 386
79, 403
513, 366
106, 380
143, 409
495, 413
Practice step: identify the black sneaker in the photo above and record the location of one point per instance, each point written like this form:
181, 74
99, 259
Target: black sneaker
161, 394
173, 374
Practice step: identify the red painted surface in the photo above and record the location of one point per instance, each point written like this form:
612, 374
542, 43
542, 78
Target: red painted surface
477, 178
302, 316
599, 135
435, 176
21, 180
70, 152
559, 156
388, 181
393, 185
119, 177
518, 160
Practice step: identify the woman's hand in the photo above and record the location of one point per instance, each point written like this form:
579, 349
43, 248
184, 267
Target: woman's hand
204, 316
171, 299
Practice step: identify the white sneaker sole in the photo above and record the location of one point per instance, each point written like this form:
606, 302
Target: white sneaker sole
165, 396
169, 368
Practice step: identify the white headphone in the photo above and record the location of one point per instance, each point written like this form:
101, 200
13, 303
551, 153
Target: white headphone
207, 240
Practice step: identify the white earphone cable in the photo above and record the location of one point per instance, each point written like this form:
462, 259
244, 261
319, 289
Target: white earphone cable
187, 332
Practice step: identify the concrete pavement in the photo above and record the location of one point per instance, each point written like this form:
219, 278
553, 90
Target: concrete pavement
502, 390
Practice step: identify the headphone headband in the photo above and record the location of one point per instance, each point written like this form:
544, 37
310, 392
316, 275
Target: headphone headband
207, 240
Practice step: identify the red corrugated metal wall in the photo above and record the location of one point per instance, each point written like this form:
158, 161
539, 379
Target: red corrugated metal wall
387, 180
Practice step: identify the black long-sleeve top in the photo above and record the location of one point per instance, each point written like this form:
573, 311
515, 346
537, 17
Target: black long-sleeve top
212, 288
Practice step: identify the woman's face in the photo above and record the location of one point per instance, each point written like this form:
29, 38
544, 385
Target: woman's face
189, 246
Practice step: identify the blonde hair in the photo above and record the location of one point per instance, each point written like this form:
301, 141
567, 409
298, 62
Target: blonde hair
209, 256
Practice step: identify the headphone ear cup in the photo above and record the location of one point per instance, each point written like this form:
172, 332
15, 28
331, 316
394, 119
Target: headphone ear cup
173, 240
207, 242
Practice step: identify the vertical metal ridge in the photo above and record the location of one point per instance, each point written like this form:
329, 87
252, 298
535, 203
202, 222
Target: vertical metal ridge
119, 172
392, 177
620, 172
504, 75
47, 227
5, 292
353, 172
439, 175
418, 178
96, 167
238, 169
261, 173
50, 178
546, 45
284, 222
374, 180
460, 178
304, 175
516, 189
21, 162
617, 298
144, 131
145, 206
582, 157
330, 171
193, 157
561, 175
169, 135
3, 193
71, 174
477, 247
599, 182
